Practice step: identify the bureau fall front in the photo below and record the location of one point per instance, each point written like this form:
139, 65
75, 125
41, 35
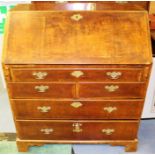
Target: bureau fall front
76, 76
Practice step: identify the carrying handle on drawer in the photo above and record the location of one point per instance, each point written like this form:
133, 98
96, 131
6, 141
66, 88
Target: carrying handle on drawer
108, 131
110, 109
41, 88
44, 109
111, 88
114, 75
47, 131
39, 75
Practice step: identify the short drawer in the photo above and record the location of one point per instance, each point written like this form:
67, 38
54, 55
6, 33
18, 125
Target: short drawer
89, 74
77, 130
48, 109
112, 90
41, 90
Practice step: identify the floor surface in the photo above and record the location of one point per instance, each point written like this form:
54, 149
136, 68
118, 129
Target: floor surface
10, 148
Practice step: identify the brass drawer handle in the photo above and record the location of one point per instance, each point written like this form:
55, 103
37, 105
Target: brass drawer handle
41, 88
76, 17
110, 109
40, 75
44, 109
111, 88
77, 74
114, 75
76, 104
76, 127
108, 131
47, 131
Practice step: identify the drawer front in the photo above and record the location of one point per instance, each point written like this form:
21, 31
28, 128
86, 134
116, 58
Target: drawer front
47, 109
112, 90
41, 90
89, 74
77, 130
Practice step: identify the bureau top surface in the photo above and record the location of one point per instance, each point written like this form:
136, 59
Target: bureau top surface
77, 37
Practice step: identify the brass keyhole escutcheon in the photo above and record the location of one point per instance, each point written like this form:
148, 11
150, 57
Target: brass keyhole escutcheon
77, 74
76, 17
76, 104
77, 127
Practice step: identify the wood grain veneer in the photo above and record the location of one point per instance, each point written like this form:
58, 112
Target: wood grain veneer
77, 76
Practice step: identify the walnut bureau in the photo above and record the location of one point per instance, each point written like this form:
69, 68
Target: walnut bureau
76, 76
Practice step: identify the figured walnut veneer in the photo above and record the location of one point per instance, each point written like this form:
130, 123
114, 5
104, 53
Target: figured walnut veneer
76, 76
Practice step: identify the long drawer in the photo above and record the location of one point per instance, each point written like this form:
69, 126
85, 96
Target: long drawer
49, 109
77, 130
83, 90
77, 74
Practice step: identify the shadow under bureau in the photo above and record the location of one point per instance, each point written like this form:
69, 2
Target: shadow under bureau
76, 76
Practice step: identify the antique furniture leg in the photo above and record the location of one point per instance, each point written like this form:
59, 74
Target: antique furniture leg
23, 146
131, 146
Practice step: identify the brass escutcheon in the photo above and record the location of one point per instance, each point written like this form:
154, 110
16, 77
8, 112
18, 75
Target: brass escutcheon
40, 75
41, 88
76, 17
114, 75
47, 131
77, 74
76, 127
76, 104
44, 109
110, 109
111, 88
